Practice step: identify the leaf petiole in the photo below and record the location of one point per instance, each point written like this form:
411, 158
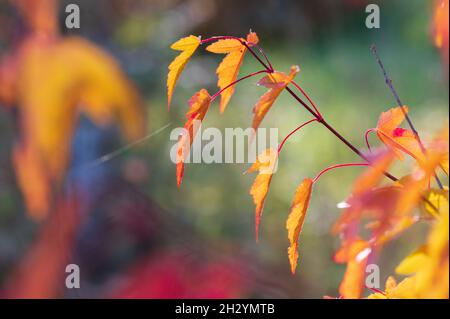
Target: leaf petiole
315, 179
236, 82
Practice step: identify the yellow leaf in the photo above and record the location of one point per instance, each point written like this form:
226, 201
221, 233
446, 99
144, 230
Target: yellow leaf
429, 265
265, 164
296, 219
225, 46
413, 262
437, 199
404, 290
228, 69
188, 46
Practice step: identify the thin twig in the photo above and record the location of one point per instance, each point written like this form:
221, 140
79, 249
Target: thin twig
388, 80
237, 81
337, 166
293, 132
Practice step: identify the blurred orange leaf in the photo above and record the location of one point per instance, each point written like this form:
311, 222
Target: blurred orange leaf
440, 28
417, 183
40, 274
52, 82
40, 15
374, 173
355, 253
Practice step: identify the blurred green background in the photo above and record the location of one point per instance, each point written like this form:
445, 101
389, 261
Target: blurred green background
212, 211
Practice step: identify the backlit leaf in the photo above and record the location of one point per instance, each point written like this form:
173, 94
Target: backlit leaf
266, 165
398, 139
188, 46
198, 106
276, 82
228, 69
296, 219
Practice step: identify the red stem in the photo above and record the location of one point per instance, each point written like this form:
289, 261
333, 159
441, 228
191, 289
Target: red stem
366, 137
265, 57
376, 290
244, 43
337, 166
237, 81
221, 37
291, 133
307, 97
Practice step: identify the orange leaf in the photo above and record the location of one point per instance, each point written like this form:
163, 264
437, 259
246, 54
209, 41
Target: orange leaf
187, 45
440, 143
228, 69
33, 180
379, 207
372, 176
276, 82
355, 253
296, 219
402, 140
440, 28
41, 271
265, 164
391, 119
198, 106
396, 138
40, 15
418, 181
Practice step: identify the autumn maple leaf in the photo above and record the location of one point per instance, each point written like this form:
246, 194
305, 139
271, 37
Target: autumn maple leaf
228, 69
398, 139
188, 46
265, 165
296, 218
276, 82
198, 106
354, 253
